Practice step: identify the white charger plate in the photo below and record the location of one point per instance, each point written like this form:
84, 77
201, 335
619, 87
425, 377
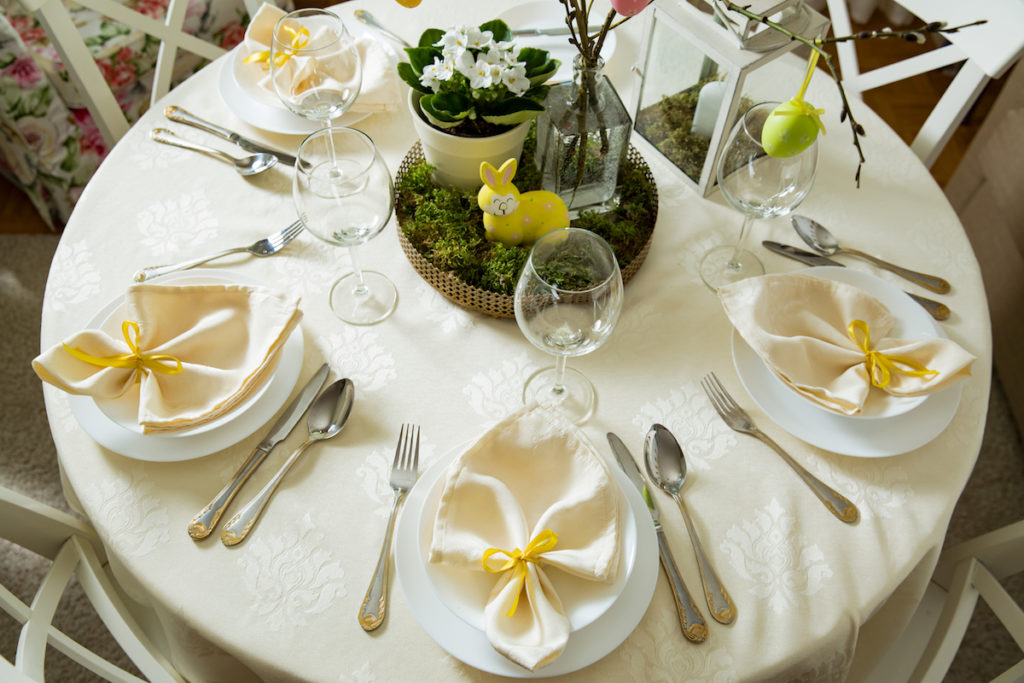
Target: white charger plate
468, 643
465, 593
550, 14
847, 435
110, 427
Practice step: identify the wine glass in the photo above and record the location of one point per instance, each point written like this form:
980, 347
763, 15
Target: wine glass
567, 302
314, 64
758, 185
344, 195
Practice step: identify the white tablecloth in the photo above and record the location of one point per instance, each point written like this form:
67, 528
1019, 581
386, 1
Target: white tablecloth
284, 603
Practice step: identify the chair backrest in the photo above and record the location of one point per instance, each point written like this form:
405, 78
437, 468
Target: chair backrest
83, 70
75, 551
968, 571
985, 52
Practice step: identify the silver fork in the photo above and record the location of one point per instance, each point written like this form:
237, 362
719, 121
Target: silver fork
271, 244
403, 476
737, 419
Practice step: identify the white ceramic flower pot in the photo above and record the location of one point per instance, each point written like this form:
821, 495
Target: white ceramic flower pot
456, 158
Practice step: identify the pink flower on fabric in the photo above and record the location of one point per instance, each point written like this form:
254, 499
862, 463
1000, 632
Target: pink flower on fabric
90, 140
233, 35
629, 7
23, 70
123, 74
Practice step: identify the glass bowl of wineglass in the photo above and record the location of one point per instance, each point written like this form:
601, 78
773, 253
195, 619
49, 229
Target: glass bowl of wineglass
759, 186
345, 196
314, 64
567, 302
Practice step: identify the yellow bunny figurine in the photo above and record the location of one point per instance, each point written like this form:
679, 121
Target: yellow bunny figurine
512, 218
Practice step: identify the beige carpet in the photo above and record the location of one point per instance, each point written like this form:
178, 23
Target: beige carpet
994, 495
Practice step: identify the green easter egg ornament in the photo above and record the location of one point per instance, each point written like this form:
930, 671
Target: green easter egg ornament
790, 129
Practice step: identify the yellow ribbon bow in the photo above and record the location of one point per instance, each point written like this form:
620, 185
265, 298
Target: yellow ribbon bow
135, 359
300, 39
881, 366
798, 105
541, 543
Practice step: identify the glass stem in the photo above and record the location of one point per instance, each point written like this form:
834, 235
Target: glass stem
559, 385
741, 243
360, 290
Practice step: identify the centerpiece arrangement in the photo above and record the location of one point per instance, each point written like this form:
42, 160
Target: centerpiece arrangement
473, 95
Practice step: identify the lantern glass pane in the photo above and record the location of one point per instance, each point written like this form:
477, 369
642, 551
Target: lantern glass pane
682, 94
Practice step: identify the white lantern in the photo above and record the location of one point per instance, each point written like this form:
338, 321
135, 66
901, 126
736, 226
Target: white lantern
697, 77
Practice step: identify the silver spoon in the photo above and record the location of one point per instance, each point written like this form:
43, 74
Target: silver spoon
824, 242
326, 418
666, 467
250, 165
370, 20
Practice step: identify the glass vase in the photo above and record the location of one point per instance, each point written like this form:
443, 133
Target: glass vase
582, 138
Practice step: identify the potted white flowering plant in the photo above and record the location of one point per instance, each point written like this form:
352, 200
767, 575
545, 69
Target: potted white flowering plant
474, 93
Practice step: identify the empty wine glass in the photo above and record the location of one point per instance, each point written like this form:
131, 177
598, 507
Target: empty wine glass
314, 64
344, 195
567, 302
758, 185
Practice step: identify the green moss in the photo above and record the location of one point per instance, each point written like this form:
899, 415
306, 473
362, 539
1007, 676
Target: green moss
446, 227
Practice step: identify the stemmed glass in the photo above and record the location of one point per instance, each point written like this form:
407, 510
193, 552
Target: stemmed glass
758, 185
314, 64
567, 302
344, 195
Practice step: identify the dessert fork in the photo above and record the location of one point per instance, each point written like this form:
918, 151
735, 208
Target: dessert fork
271, 244
738, 420
403, 476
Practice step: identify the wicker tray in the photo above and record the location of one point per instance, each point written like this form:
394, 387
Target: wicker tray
482, 300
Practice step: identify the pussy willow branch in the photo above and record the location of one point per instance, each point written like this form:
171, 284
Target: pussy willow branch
914, 35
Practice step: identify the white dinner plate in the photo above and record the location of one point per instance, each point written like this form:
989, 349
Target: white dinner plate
846, 435
550, 14
109, 427
468, 643
465, 593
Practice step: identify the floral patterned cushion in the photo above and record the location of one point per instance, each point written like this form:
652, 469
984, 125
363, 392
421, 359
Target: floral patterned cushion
49, 144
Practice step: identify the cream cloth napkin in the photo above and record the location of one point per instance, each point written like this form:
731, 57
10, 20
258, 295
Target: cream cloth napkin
799, 326
379, 91
227, 337
531, 472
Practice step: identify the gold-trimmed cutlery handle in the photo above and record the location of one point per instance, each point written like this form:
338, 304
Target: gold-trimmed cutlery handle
836, 502
719, 601
374, 609
690, 618
203, 523
932, 282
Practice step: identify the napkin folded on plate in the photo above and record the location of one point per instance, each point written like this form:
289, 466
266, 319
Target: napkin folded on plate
227, 339
379, 91
804, 329
532, 484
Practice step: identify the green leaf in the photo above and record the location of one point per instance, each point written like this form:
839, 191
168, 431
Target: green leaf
499, 29
429, 37
445, 109
534, 58
545, 75
422, 57
513, 111
409, 75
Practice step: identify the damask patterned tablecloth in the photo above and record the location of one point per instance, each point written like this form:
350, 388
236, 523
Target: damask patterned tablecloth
814, 596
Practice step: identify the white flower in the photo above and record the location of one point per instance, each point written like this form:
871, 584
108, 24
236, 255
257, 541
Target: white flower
465, 64
514, 78
435, 73
483, 74
477, 39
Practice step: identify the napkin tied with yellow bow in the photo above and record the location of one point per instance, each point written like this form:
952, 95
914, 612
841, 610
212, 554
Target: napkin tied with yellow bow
196, 351
379, 91
830, 341
531, 496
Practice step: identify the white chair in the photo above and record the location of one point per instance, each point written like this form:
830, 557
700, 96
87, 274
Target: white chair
75, 551
86, 75
985, 52
927, 647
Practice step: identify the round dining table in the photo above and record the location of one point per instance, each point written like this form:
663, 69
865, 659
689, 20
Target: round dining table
816, 599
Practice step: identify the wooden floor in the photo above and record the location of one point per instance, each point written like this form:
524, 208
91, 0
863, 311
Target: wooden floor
904, 106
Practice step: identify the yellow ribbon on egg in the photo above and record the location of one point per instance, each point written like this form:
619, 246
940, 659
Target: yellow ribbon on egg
300, 39
541, 543
798, 106
135, 359
881, 366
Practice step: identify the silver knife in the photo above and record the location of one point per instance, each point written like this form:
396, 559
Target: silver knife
179, 115
690, 618
938, 310
204, 522
556, 31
